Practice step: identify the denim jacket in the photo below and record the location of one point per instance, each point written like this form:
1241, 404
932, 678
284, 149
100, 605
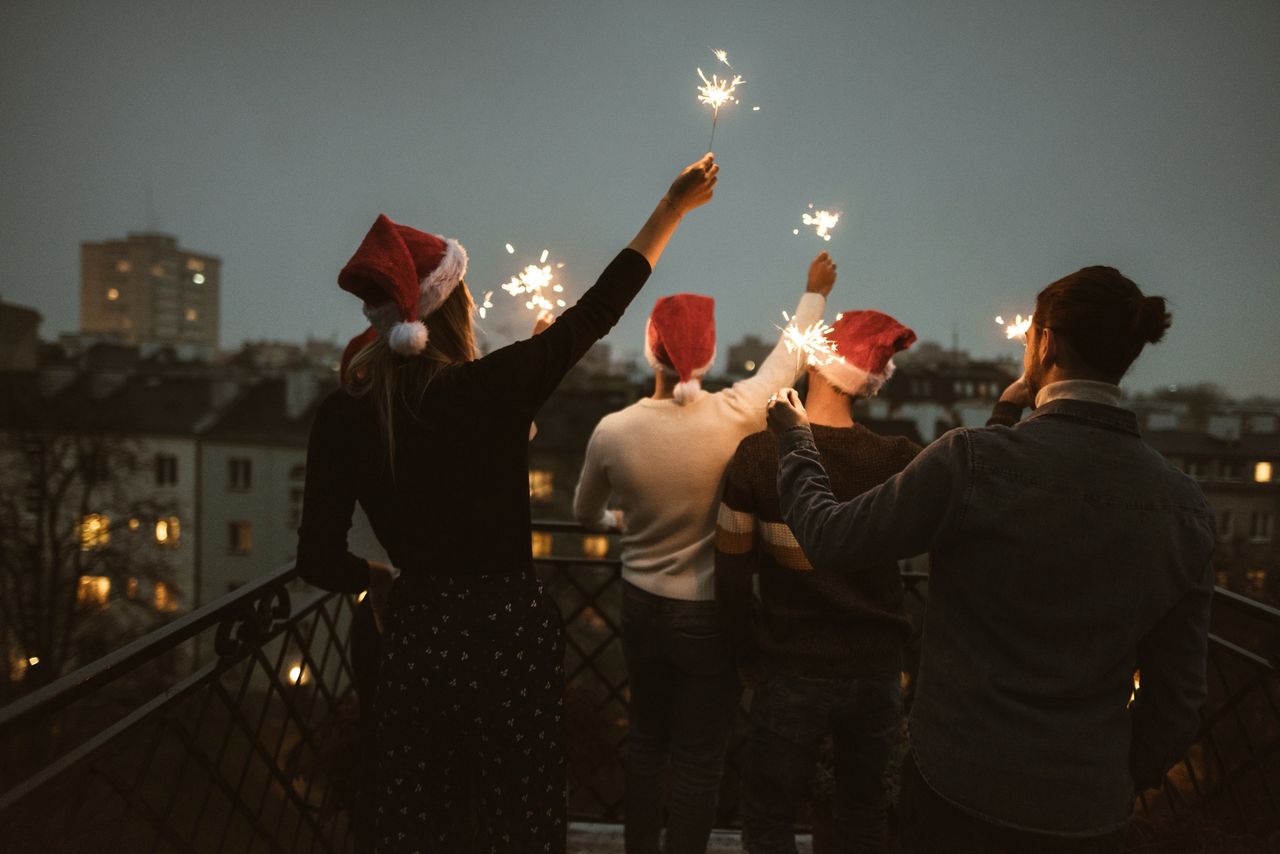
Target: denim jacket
1065, 554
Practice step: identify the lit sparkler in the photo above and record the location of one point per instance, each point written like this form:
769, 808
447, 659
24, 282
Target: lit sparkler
534, 283
486, 305
822, 222
812, 342
1017, 329
722, 55
715, 93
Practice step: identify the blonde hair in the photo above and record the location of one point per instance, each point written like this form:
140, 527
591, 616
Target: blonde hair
393, 380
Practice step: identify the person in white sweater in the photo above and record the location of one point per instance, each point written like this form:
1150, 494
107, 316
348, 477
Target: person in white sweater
663, 460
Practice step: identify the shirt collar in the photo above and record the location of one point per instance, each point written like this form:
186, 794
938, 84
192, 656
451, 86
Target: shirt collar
1090, 391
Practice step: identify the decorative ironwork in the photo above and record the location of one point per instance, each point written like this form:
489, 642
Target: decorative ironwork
238, 727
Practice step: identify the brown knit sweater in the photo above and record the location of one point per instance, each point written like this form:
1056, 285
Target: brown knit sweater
806, 622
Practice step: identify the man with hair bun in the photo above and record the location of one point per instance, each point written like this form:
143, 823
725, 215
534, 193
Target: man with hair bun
1066, 556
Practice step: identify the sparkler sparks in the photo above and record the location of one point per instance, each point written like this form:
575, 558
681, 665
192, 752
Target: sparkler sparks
722, 55
812, 342
821, 220
483, 310
1017, 329
534, 282
715, 93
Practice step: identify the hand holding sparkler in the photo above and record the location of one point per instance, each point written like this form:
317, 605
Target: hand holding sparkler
785, 411
822, 275
692, 188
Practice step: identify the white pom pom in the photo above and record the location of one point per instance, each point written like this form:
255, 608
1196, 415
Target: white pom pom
686, 391
408, 339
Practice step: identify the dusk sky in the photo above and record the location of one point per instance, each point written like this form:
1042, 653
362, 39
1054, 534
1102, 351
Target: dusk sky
977, 150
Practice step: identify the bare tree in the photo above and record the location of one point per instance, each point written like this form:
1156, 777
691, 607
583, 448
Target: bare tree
72, 541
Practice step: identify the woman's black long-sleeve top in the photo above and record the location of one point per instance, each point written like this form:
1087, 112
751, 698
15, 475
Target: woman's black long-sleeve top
459, 501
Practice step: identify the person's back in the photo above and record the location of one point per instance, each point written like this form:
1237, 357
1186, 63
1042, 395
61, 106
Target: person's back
1066, 554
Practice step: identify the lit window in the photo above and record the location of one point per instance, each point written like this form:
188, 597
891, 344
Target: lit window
93, 591
1254, 581
1221, 579
164, 599
131, 588
123, 266
540, 485
195, 265
750, 365
113, 294
541, 544
241, 541
198, 278
157, 270
1262, 472
240, 470
134, 524
95, 532
168, 531
192, 315
595, 545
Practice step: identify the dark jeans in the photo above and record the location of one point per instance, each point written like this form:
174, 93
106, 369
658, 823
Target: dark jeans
684, 691
933, 825
790, 715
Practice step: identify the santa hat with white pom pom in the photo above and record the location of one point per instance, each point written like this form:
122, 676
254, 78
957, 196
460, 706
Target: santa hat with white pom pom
865, 342
681, 340
402, 275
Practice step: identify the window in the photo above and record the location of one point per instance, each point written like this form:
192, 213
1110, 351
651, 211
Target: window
167, 532
541, 544
241, 537
93, 591
166, 470
240, 471
164, 598
1226, 525
131, 588
1229, 470
95, 532
595, 546
540, 485
1260, 525
123, 266
157, 271
1262, 472
1197, 469
1222, 580
1254, 581
195, 265
113, 294
192, 315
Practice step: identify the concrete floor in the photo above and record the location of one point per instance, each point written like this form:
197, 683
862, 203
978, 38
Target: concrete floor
607, 839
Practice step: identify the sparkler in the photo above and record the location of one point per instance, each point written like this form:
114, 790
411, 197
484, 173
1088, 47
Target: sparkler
821, 220
486, 305
715, 93
722, 55
1017, 329
812, 342
534, 283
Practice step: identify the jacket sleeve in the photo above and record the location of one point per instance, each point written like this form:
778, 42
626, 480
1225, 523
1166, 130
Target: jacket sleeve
592, 492
1004, 414
904, 516
329, 499
1172, 660
735, 569
525, 373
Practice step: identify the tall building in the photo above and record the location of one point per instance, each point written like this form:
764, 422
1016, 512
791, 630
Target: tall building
146, 290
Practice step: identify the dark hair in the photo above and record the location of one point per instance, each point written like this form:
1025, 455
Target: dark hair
1103, 317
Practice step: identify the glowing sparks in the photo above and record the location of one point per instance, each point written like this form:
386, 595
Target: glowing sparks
1016, 330
534, 283
511, 250
487, 304
722, 55
813, 342
715, 93
821, 220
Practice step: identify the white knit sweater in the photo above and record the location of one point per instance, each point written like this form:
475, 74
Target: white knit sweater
664, 465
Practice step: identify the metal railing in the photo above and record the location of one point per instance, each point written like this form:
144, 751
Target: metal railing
238, 727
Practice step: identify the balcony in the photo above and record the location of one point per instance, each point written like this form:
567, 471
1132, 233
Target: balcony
237, 728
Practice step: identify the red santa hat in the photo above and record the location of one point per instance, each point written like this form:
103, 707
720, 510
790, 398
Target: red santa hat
865, 342
402, 275
680, 339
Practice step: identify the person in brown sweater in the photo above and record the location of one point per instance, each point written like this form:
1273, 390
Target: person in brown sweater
822, 650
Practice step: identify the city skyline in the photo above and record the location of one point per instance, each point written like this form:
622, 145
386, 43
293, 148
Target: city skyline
976, 155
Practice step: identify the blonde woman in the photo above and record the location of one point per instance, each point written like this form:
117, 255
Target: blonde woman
433, 444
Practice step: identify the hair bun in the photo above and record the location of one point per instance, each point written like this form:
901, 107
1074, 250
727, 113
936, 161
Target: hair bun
1151, 319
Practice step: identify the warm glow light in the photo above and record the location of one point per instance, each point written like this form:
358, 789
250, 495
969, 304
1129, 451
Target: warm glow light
595, 546
95, 532
163, 597
715, 93
123, 266
1017, 329
1262, 472
134, 524
541, 544
360, 598
750, 365
191, 315
822, 222
487, 304
93, 590
722, 55
532, 281
541, 484
113, 294
33, 660
1137, 683
812, 341
198, 278
298, 674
